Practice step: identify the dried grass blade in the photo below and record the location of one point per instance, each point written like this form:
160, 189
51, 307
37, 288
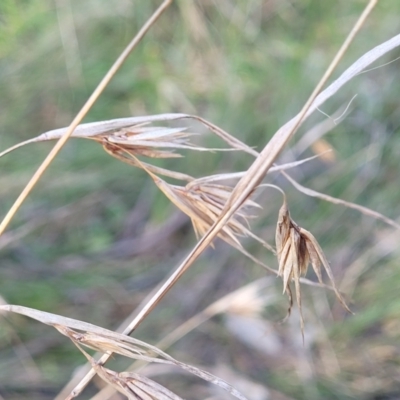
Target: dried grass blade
17, 146
334, 200
283, 167
238, 175
65, 325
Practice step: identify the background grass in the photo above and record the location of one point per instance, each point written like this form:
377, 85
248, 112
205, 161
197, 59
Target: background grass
95, 236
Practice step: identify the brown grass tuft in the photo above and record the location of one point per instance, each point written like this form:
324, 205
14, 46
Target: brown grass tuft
296, 248
203, 202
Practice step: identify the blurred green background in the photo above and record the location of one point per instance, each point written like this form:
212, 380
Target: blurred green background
95, 236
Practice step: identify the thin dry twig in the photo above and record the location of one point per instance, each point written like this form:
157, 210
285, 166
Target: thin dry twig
238, 175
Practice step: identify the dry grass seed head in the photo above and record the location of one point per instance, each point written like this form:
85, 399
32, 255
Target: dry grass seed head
84, 334
147, 141
296, 248
204, 202
132, 385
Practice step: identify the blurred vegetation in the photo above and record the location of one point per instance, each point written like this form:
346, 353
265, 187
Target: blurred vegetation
95, 236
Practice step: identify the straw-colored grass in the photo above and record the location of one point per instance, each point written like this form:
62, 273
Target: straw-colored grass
217, 209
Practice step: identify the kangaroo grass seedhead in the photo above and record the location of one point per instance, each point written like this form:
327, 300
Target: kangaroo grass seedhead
203, 203
132, 385
296, 248
149, 141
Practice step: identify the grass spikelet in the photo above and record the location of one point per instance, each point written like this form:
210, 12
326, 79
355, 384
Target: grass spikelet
296, 248
138, 136
133, 386
150, 141
203, 204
